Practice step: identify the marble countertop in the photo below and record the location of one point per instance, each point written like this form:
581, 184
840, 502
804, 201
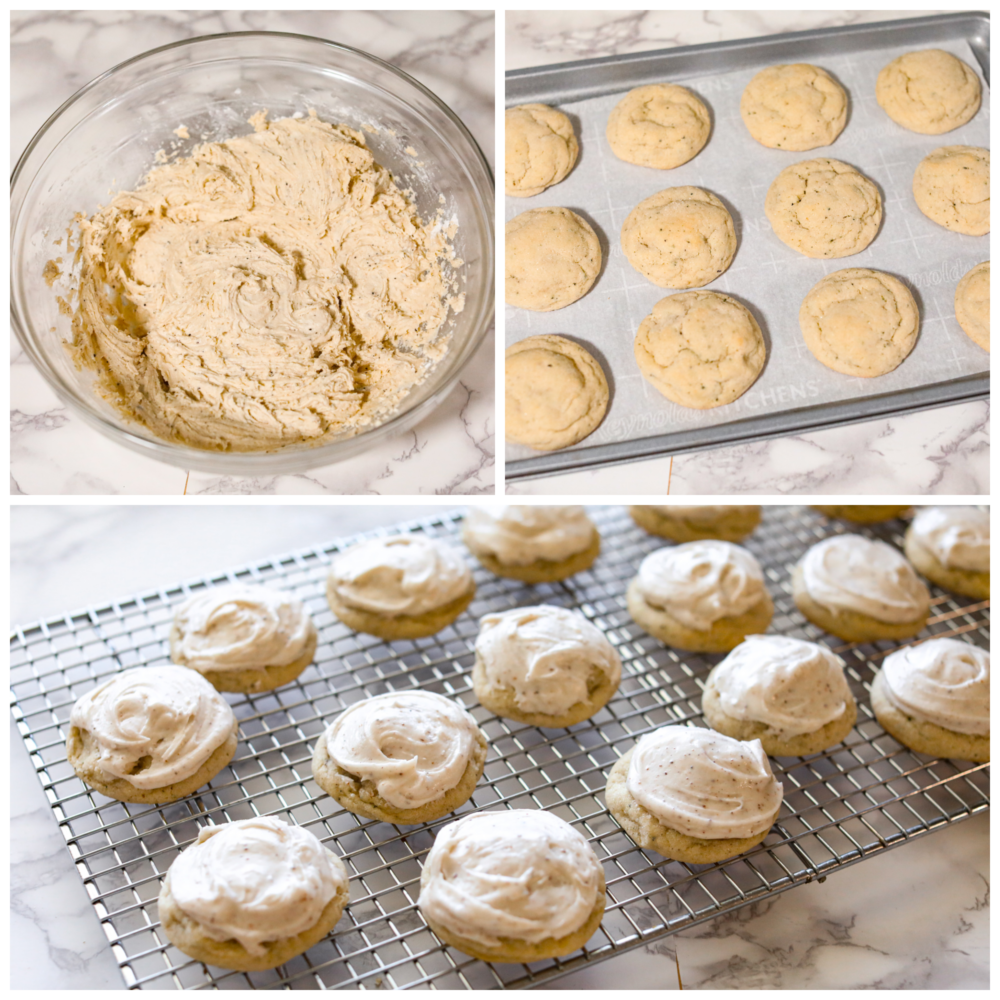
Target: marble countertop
54, 53
940, 451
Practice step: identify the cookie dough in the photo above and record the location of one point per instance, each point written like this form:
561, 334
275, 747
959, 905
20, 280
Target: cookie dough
556, 392
681, 237
273, 289
972, 304
930, 91
794, 107
540, 149
552, 259
823, 208
659, 125
952, 188
859, 322
700, 349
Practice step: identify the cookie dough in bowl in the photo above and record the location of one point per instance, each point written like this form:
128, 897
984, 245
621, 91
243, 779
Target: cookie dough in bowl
951, 547
930, 91
952, 188
658, 125
540, 149
972, 304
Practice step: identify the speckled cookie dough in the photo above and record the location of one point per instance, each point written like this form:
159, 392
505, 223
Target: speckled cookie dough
952, 188
540, 149
930, 91
659, 125
972, 304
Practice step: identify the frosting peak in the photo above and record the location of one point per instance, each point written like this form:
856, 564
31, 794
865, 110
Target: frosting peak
958, 537
518, 535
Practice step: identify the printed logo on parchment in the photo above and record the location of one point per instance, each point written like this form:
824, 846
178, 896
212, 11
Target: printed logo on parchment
949, 273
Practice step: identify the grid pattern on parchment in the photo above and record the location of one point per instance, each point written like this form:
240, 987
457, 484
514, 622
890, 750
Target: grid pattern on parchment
863, 796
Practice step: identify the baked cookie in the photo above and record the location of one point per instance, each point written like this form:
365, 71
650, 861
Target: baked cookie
512, 886
860, 590
402, 758
152, 734
862, 513
823, 208
545, 665
706, 596
540, 149
972, 304
789, 694
727, 522
952, 188
251, 895
682, 237
795, 106
658, 125
951, 546
552, 258
935, 698
400, 587
859, 322
694, 795
555, 392
930, 91
700, 349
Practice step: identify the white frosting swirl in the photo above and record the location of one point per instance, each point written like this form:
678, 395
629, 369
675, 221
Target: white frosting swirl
852, 573
546, 655
793, 686
707, 514
958, 537
700, 582
704, 784
943, 681
518, 535
255, 880
400, 575
154, 726
414, 746
523, 874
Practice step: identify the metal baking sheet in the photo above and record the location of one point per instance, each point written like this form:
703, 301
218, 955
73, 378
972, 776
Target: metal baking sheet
795, 392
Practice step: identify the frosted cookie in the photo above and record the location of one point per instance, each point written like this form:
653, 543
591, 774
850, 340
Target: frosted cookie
552, 259
152, 734
862, 513
401, 587
694, 795
935, 698
682, 237
972, 304
243, 638
930, 91
251, 895
555, 391
727, 522
545, 665
658, 125
533, 544
860, 590
823, 208
795, 106
700, 349
952, 188
951, 546
706, 596
789, 694
859, 322
402, 758
540, 149
512, 886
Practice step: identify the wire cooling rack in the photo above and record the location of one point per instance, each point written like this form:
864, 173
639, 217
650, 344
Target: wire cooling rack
840, 807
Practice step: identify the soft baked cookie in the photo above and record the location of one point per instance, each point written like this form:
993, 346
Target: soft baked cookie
935, 698
694, 795
952, 188
728, 522
513, 886
251, 895
555, 392
795, 106
553, 257
930, 91
823, 208
972, 304
540, 149
951, 546
862, 513
859, 322
700, 349
402, 758
658, 125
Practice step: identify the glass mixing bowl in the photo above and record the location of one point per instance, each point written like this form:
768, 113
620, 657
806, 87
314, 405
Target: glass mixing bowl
105, 139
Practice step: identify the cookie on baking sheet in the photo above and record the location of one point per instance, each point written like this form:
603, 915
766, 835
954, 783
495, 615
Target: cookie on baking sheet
728, 522
862, 513
859, 322
552, 259
930, 91
555, 391
795, 106
972, 304
540, 149
700, 349
952, 188
658, 125
823, 208
951, 546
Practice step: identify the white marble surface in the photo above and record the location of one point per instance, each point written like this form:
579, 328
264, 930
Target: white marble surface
54, 53
941, 451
